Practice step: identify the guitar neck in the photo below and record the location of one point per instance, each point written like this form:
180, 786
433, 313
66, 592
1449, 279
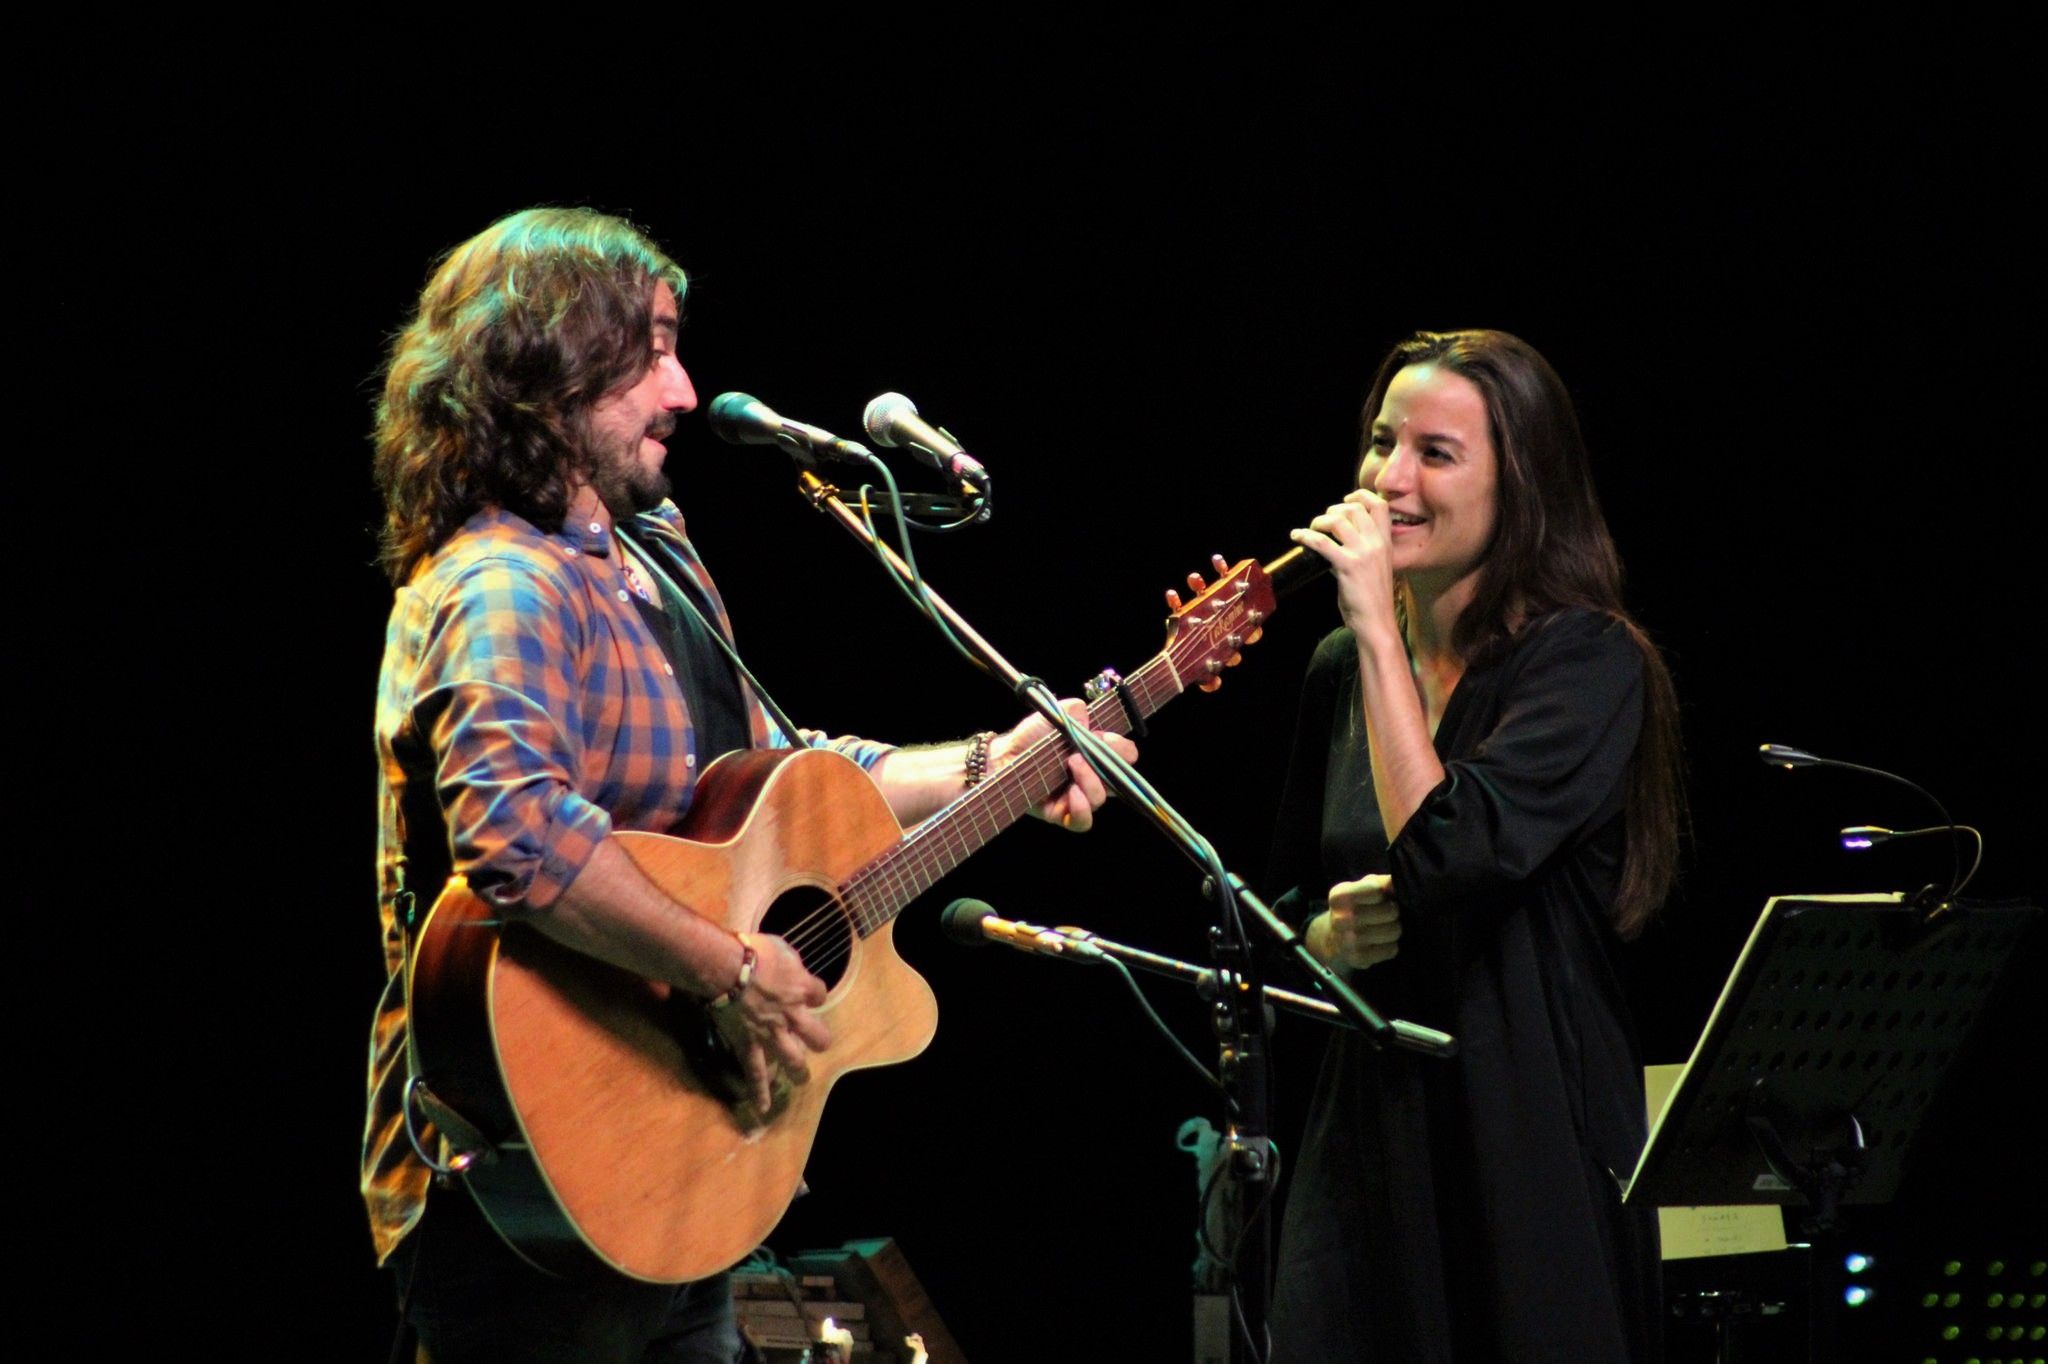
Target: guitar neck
880, 890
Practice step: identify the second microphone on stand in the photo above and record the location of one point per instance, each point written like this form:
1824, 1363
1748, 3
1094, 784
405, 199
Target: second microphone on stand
891, 421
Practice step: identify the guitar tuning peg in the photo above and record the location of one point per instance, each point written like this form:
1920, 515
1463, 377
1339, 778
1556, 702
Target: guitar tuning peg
1172, 600
1195, 581
1222, 568
1254, 636
1211, 685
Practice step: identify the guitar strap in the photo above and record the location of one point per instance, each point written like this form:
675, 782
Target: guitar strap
650, 556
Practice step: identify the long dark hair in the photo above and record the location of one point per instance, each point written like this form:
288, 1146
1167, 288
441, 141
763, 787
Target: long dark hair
520, 330
1550, 549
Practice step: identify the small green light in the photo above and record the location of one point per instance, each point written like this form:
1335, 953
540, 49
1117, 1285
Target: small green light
1951, 1332
1995, 1267
1995, 1300
1930, 1300
1952, 1268
2038, 1300
1952, 1300
2038, 1268
2037, 1333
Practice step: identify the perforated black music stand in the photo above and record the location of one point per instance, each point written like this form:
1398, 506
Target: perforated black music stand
1822, 1056
1824, 1052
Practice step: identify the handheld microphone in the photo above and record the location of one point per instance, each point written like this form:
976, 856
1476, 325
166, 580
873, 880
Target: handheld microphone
742, 419
891, 421
1294, 569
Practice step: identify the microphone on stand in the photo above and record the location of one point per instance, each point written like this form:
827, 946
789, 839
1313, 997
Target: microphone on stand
742, 419
974, 923
891, 421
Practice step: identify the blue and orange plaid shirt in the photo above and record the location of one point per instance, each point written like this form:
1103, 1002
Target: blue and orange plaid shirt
524, 712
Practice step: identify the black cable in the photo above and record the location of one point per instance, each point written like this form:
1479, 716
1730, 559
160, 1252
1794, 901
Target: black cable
1230, 1261
1157, 1022
915, 590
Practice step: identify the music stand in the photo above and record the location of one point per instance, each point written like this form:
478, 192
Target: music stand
1823, 1054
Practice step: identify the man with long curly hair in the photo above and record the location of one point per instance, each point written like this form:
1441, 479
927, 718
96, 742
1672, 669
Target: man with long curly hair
552, 675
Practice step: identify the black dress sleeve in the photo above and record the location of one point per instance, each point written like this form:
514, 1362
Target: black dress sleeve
1545, 749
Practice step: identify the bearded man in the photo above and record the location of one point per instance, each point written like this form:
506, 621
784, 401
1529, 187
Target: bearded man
553, 676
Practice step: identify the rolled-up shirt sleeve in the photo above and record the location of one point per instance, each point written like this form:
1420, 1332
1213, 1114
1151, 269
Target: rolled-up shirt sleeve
866, 752
496, 703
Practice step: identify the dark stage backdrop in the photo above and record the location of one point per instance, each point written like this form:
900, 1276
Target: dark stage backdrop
1148, 291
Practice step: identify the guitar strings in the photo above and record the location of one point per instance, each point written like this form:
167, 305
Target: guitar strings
831, 928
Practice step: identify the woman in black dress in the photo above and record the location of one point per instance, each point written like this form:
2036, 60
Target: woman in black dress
1483, 803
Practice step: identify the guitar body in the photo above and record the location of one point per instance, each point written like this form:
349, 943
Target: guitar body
620, 1140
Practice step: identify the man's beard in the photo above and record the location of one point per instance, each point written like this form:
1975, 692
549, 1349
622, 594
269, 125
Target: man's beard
624, 484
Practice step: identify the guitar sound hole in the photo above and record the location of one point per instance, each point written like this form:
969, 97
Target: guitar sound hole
815, 924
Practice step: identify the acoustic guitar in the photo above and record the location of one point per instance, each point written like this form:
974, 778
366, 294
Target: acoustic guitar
601, 1121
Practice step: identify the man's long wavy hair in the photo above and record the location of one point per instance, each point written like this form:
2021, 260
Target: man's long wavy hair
1551, 548
487, 399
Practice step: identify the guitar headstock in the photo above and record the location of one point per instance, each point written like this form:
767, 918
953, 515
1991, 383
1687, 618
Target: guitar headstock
1207, 634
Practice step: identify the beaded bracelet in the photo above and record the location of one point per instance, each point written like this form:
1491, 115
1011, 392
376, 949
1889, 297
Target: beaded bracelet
747, 959
977, 756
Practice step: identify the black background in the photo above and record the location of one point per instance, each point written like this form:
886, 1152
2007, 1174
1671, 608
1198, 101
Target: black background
1146, 276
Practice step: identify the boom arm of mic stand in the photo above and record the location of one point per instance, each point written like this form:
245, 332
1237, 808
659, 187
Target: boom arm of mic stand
1412, 1036
1126, 782
1347, 1001
1114, 771
952, 505
825, 497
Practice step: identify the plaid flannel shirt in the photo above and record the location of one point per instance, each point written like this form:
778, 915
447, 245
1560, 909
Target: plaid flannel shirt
524, 712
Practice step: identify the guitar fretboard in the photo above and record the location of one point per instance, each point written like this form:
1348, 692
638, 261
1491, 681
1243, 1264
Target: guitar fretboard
878, 892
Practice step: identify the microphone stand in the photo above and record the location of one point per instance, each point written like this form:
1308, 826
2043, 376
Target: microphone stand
1208, 983
1078, 945
1239, 1018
